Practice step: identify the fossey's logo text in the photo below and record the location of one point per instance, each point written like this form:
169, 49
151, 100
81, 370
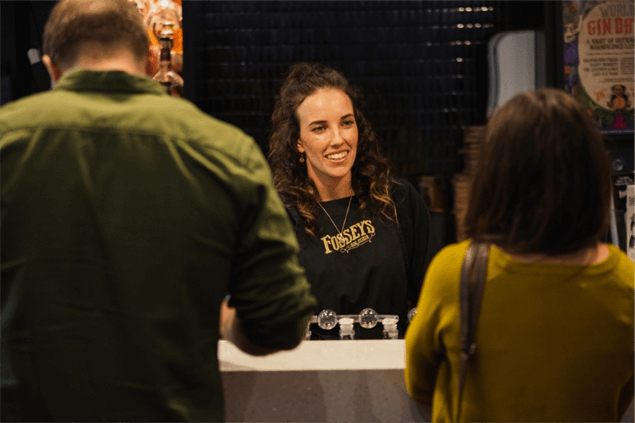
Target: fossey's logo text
354, 236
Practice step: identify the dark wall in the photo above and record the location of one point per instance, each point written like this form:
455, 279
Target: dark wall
21, 25
421, 64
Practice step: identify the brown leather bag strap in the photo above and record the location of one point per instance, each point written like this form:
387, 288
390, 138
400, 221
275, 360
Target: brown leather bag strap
472, 285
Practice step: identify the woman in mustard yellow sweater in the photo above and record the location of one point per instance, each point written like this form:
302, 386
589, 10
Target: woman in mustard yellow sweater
555, 332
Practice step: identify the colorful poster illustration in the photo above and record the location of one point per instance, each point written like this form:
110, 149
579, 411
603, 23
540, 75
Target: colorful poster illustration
598, 58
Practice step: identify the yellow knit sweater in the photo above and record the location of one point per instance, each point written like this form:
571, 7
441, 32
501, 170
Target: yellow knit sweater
554, 342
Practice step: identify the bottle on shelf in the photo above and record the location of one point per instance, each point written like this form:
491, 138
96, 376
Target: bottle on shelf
171, 81
143, 6
162, 13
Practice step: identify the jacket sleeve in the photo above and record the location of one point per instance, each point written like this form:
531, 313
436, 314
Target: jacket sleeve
421, 244
269, 289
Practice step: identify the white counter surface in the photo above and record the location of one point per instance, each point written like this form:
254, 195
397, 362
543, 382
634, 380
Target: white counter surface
319, 381
318, 355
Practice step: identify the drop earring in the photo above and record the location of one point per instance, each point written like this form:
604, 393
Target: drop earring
301, 157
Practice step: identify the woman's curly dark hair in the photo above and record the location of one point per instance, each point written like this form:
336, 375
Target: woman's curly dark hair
371, 176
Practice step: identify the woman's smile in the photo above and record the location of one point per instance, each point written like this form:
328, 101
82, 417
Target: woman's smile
328, 138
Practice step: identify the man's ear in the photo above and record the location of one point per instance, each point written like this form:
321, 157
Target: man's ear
54, 71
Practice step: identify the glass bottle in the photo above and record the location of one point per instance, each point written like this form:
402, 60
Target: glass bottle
143, 6
165, 76
166, 13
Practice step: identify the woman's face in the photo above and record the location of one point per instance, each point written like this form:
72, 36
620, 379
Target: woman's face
328, 136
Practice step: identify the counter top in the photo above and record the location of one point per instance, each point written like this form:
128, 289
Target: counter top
319, 381
361, 354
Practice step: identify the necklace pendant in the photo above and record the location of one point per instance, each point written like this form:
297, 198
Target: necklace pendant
339, 236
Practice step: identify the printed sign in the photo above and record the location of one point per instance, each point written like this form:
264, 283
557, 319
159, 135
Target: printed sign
599, 60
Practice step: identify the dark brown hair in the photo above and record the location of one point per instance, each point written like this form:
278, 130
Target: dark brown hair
543, 183
371, 178
112, 23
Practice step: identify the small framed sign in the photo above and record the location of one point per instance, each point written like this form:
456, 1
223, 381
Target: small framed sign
598, 57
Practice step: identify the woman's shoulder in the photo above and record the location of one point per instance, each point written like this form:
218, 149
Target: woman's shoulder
441, 278
454, 251
449, 258
406, 197
624, 266
401, 188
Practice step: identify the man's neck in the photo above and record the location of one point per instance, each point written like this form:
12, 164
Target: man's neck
108, 64
92, 56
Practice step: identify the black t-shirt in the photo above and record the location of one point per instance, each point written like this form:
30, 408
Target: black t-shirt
365, 270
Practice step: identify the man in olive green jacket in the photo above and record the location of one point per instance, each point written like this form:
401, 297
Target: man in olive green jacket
127, 216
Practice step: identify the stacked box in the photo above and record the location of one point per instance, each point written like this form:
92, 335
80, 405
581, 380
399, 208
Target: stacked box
473, 136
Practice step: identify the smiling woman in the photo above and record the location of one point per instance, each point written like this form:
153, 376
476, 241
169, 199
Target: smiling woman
328, 138
364, 235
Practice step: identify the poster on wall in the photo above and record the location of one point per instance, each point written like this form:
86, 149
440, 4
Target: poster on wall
598, 58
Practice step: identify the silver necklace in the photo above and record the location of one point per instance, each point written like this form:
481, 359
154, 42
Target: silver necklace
340, 237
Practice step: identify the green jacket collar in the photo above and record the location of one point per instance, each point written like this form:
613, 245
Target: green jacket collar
109, 81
